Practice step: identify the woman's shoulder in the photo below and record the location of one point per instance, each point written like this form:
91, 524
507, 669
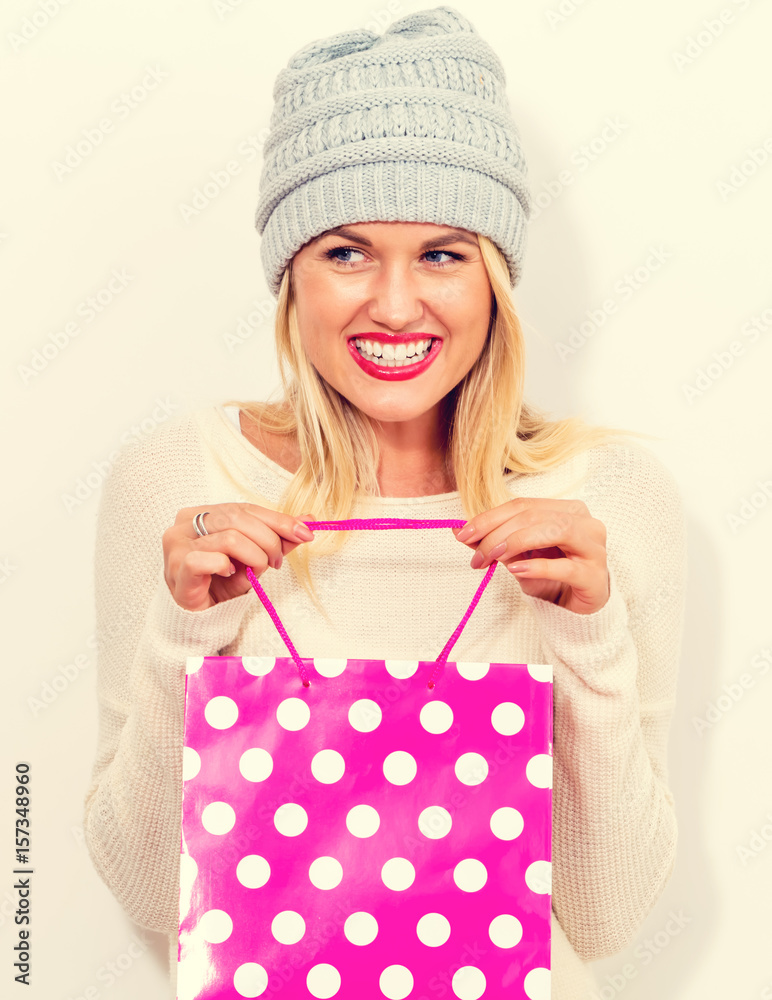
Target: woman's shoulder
629, 474
615, 467
166, 467
638, 499
621, 482
174, 442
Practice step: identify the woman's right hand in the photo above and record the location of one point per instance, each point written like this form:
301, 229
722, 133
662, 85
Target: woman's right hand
202, 571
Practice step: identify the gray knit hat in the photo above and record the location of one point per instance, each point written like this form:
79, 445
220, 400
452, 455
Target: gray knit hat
412, 125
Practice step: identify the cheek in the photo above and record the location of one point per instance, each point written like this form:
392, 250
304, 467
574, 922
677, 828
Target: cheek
465, 300
317, 300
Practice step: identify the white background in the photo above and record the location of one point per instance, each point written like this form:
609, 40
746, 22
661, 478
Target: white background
656, 185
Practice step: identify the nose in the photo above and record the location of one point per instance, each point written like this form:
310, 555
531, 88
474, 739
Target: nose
395, 298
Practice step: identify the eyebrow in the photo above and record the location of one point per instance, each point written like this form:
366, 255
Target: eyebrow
454, 236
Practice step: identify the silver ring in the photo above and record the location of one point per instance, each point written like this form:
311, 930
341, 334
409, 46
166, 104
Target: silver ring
198, 523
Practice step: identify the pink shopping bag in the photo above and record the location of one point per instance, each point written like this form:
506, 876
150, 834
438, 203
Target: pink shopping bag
362, 829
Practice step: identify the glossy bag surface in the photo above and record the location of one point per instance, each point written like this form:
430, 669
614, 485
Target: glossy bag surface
362, 834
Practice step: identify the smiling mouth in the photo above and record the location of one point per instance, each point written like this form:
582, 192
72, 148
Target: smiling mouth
394, 355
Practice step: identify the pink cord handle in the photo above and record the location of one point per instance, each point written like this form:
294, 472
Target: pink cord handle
382, 523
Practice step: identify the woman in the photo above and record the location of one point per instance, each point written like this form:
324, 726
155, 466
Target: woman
392, 212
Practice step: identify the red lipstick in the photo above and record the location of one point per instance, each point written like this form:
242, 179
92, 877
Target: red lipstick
395, 374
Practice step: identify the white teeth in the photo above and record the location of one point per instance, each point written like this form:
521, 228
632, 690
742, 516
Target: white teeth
394, 355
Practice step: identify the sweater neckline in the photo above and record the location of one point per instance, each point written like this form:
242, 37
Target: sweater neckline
286, 475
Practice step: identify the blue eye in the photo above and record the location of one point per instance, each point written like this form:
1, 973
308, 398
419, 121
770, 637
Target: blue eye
333, 254
447, 253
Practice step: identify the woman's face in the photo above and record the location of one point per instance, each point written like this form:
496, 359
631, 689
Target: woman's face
403, 287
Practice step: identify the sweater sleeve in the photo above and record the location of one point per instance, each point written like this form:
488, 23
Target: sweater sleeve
614, 828
133, 805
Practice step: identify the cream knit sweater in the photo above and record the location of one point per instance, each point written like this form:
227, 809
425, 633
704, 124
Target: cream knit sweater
399, 595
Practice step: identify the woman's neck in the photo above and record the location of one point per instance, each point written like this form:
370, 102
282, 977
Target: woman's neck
413, 471
406, 468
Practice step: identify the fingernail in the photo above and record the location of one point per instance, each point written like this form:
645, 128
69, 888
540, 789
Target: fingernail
477, 560
466, 532
302, 533
497, 551
521, 567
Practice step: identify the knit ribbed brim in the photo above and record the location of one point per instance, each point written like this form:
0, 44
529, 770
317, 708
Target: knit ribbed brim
412, 125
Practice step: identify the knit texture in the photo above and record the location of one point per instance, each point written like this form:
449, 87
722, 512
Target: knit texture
398, 595
412, 125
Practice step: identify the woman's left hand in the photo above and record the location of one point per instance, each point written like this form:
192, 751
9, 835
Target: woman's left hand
555, 548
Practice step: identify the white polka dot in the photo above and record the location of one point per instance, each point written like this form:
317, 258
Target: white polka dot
215, 926
538, 877
330, 668
193, 664
471, 768
468, 983
256, 764
323, 981
365, 715
290, 819
250, 980
538, 770
253, 871
221, 712
537, 984
433, 929
473, 671
436, 717
400, 767
328, 766
470, 875
396, 982
218, 817
540, 671
363, 821
508, 718
191, 763
288, 927
293, 714
505, 930
398, 874
434, 822
325, 872
506, 823
188, 870
361, 928
401, 669
258, 666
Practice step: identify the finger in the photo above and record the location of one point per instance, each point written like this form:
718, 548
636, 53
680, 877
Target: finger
587, 584
288, 526
486, 524
274, 532
239, 547
287, 544
571, 537
534, 528
219, 517
194, 576
575, 573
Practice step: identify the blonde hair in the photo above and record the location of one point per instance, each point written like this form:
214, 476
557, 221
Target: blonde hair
491, 430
